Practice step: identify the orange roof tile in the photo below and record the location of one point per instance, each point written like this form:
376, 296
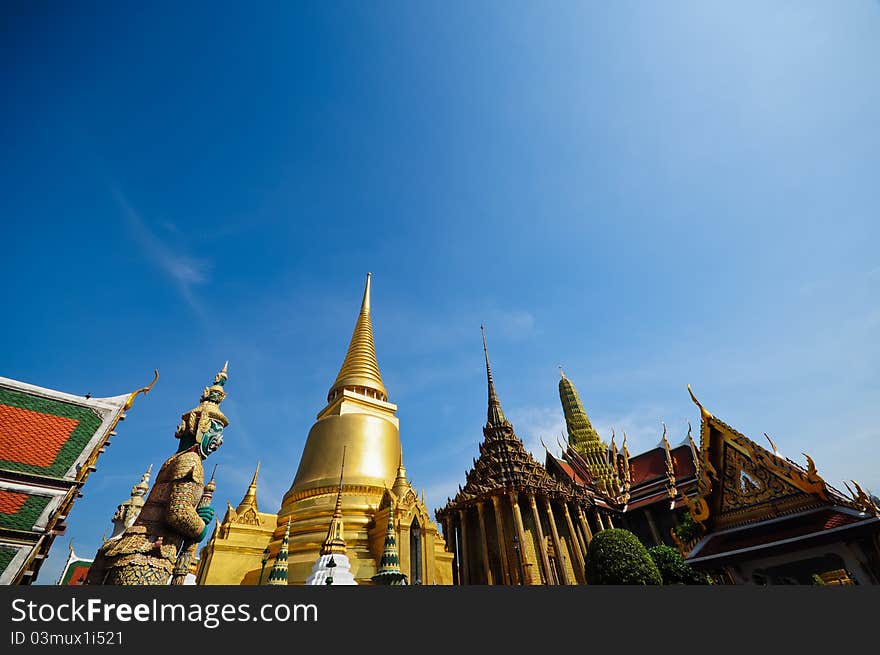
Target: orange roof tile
32, 437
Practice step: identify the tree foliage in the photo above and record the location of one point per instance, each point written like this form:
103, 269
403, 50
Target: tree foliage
687, 528
617, 557
673, 569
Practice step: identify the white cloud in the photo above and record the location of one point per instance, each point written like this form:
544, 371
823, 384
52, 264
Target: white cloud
184, 270
535, 423
512, 325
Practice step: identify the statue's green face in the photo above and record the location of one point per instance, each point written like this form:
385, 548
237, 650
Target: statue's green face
212, 439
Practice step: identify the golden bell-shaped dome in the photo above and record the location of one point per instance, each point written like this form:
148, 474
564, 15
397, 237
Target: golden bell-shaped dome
358, 419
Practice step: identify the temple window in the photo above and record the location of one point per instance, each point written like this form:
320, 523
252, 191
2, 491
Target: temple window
415, 552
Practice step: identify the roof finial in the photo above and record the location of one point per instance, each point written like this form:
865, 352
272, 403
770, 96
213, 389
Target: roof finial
703, 410
365, 303
495, 415
772, 445
561, 372
144, 390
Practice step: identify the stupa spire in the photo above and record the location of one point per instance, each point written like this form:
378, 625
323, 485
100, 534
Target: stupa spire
584, 440
250, 496
128, 511
580, 431
335, 541
389, 572
495, 414
360, 370
278, 574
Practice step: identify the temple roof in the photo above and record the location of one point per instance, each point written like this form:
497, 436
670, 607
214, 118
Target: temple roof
749, 498
787, 532
49, 444
650, 465
76, 569
505, 465
360, 370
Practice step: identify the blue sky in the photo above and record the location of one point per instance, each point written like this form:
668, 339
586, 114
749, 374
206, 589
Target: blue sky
651, 194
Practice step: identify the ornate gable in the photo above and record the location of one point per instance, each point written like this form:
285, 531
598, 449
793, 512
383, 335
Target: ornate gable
748, 489
740, 482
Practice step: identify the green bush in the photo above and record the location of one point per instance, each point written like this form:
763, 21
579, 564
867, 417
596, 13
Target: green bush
673, 569
617, 557
687, 528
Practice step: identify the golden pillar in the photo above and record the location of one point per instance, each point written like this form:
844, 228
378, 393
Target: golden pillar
543, 544
554, 534
502, 545
465, 571
521, 537
608, 520
576, 546
598, 516
585, 526
485, 537
452, 546
578, 533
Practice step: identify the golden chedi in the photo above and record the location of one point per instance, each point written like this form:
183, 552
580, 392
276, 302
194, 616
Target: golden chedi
360, 422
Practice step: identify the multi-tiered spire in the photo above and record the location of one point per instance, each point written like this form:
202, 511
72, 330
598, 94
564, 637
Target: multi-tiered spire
360, 370
128, 511
278, 574
332, 566
389, 565
335, 541
495, 416
584, 439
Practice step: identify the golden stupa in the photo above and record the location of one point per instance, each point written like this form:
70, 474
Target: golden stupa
359, 422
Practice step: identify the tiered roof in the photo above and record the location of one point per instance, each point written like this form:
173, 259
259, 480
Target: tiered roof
504, 465
49, 444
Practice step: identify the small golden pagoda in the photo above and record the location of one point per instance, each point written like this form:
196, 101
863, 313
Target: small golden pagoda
235, 552
360, 421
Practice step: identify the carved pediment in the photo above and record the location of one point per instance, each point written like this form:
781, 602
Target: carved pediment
249, 517
745, 484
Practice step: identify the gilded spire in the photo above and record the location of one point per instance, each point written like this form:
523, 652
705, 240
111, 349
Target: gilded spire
585, 441
250, 496
335, 541
278, 574
360, 370
495, 414
400, 484
128, 511
389, 572
580, 431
